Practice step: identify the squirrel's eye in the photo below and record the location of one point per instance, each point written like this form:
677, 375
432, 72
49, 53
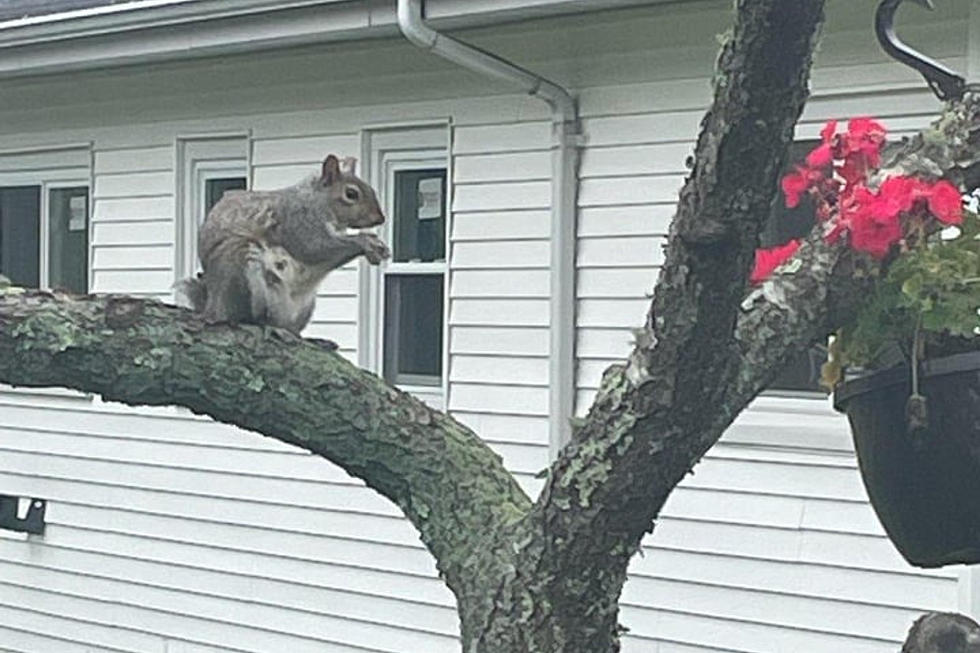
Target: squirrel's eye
352, 193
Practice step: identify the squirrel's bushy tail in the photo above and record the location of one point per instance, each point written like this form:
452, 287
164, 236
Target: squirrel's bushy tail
192, 292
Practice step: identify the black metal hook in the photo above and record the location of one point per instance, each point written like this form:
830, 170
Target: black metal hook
33, 522
945, 83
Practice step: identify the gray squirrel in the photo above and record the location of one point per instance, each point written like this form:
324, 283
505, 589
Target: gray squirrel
264, 253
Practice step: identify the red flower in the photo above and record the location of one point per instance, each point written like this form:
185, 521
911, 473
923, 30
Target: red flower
946, 203
795, 185
767, 260
821, 157
873, 222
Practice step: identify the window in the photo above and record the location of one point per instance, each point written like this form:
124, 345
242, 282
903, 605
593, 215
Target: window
403, 302
44, 235
803, 373
415, 278
209, 167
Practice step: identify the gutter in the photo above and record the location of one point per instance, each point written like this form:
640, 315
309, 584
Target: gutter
566, 140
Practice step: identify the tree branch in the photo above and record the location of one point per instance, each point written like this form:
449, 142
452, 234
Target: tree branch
452, 487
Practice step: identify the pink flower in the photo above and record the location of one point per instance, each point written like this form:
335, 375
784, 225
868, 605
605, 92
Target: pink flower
767, 260
946, 203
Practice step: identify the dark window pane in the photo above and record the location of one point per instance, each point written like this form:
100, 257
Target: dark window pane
419, 221
20, 228
413, 329
785, 224
803, 372
215, 188
68, 239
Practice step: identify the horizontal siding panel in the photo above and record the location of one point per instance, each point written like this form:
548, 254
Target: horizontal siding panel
134, 184
307, 150
506, 428
262, 591
625, 282
242, 507
500, 370
248, 612
59, 633
643, 97
502, 195
172, 621
488, 139
792, 579
514, 400
612, 313
158, 232
500, 283
625, 251
130, 159
604, 343
271, 178
667, 159
501, 225
750, 637
128, 281
499, 341
500, 312
149, 423
646, 128
516, 166
346, 569
802, 613
152, 257
629, 190
54, 159
340, 282
643, 220
336, 308
134, 209
353, 539
342, 333
492, 255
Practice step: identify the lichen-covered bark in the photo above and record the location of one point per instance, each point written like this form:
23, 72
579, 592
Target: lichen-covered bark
451, 486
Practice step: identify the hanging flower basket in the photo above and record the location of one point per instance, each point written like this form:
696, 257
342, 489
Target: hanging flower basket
916, 431
923, 481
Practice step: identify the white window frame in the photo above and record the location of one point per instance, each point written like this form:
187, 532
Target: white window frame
47, 180
201, 158
403, 149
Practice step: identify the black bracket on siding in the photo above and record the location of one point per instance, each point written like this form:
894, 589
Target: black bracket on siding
33, 522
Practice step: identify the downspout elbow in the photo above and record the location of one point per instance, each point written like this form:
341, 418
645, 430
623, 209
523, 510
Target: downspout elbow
413, 27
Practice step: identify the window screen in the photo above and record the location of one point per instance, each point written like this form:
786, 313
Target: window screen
68, 239
216, 187
420, 216
20, 229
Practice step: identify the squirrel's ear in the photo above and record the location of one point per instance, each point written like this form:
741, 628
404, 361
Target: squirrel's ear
331, 170
348, 165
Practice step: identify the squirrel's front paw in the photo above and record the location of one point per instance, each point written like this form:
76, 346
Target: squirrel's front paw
375, 250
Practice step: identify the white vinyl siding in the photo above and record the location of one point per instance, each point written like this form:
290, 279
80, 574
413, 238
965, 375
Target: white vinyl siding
171, 534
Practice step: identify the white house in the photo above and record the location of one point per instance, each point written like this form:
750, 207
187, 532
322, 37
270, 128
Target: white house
167, 533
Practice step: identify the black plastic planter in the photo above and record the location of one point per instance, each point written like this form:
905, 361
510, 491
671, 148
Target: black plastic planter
925, 488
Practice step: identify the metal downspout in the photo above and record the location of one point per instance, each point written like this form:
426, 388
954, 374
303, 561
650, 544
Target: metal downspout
566, 141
